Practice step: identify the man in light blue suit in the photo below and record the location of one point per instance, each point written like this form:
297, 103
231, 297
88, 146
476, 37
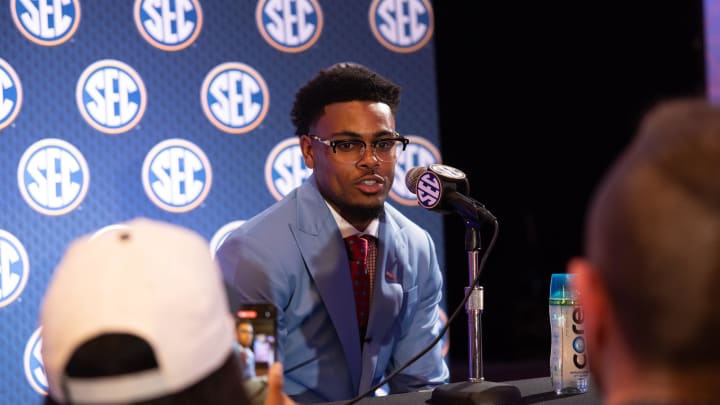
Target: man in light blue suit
293, 253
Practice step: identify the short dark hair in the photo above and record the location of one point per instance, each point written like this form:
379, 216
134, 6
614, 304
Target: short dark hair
653, 234
243, 321
340, 82
118, 353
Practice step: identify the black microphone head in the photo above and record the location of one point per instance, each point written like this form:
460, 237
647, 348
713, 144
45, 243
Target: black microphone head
445, 189
453, 177
412, 177
447, 172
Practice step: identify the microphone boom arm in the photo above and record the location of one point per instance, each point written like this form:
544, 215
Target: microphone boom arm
472, 211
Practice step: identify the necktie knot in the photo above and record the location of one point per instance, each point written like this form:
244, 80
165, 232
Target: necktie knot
357, 247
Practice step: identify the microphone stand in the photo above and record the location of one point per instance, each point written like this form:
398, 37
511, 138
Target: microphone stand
475, 391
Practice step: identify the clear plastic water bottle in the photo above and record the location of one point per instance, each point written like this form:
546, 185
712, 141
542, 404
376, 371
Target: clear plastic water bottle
569, 369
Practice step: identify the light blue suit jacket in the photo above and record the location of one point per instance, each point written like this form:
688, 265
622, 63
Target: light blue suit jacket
292, 254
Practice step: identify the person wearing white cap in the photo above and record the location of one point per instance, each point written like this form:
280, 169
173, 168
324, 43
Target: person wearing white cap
138, 315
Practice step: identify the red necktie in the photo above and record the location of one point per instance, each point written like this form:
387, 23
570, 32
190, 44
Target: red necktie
357, 252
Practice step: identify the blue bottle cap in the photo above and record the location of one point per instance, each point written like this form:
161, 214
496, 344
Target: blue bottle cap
561, 290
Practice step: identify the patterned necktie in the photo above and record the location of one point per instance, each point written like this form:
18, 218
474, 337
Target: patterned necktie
357, 252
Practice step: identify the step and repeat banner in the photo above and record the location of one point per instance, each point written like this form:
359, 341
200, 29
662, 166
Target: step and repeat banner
176, 110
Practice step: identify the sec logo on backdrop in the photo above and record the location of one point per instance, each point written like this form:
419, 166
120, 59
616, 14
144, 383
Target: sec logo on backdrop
14, 268
33, 364
285, 168
402, 26
419, 152
111, 96
53, 176
235, 97
289, 26
46, 23
11, 94
170, 25
177, 175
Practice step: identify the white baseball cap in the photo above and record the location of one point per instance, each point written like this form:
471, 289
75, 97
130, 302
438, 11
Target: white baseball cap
148, 278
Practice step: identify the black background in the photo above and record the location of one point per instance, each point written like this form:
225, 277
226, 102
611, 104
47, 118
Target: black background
536, 100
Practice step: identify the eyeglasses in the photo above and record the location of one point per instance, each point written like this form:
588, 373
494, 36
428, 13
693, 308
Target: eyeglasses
352, 150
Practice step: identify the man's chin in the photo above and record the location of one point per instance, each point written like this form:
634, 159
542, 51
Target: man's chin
366, 211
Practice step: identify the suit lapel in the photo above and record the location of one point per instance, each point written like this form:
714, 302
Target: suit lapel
387, 299
323, 250
387, 296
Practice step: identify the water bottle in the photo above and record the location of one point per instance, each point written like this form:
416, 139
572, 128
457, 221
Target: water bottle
569, 370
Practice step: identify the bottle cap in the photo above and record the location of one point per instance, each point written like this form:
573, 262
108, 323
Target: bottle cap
561, 290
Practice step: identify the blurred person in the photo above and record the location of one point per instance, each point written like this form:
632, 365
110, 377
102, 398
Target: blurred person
138, 315
650, 277
335, 342
245, 336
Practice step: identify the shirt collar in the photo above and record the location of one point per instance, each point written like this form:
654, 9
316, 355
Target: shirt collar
346, 228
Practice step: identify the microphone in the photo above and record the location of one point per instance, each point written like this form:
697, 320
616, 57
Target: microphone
445, 189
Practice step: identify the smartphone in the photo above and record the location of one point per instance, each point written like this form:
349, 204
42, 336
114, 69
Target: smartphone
256, 329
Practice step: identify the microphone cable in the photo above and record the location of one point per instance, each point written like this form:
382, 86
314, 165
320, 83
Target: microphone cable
442, 333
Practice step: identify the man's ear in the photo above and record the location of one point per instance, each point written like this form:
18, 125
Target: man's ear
590, 287
583, 275
307, 151
592, 296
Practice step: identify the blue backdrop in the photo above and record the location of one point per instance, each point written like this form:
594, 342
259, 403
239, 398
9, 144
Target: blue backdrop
174, 110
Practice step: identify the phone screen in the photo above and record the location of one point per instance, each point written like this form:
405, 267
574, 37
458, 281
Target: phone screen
255, 327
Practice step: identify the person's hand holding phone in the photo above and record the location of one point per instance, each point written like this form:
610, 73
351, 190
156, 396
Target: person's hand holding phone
275, 394
256, 333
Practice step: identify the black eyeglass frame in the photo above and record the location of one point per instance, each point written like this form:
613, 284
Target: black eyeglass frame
334, 144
